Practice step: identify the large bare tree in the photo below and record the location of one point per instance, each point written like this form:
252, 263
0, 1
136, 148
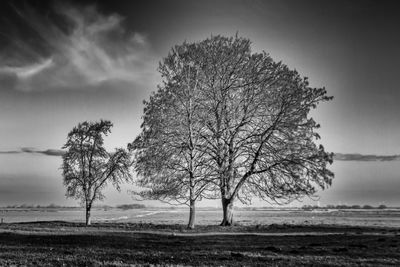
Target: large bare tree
259, 134
168, 159
88, 167
254, 136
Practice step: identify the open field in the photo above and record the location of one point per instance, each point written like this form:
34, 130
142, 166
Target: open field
370, 218
124, 244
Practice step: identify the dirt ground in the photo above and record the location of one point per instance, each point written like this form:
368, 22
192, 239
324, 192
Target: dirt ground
73, 244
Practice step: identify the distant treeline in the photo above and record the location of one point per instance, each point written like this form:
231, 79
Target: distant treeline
359, 157
341, 207
31, 206
131, 206
55, 206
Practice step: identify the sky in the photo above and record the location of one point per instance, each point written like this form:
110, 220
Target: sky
63, 62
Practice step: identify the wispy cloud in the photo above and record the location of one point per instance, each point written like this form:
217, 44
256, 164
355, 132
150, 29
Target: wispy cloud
48, 152
360, 157
77, 47
25, 72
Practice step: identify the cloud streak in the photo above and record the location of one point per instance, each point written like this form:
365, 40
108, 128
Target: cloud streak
77, 47
48, 152
31, 150
337, 156
28, 71
360, 157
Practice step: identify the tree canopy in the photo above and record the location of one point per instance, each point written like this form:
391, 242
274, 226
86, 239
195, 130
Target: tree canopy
251, 123
88, 167
168, 157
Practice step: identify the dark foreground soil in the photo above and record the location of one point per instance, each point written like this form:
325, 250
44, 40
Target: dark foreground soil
72, 244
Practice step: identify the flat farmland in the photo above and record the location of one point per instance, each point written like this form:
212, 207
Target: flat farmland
370, 218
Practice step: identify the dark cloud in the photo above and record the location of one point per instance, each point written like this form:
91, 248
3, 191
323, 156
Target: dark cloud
29, 150
360, 157
53, 152
10, 152
48, 152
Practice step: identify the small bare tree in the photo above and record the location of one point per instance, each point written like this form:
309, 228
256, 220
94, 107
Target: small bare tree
88, 167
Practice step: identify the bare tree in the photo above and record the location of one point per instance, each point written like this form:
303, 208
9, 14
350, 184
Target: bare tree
247, 129
259, 135
88, 167
168, 159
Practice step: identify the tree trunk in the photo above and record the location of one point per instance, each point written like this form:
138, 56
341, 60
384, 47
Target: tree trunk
192, 214
227, 207
88, 221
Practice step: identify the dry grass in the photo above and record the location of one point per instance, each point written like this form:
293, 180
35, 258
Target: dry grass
71, 244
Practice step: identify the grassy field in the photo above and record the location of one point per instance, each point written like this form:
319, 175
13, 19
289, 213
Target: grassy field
209, 216
126, 244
